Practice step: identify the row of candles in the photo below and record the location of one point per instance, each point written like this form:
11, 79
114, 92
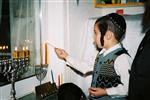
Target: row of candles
3, 47
42, 55
4, 52
17, 53
24, 53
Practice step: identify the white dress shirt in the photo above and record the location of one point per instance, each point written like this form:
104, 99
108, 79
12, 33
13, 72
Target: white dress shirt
122, 66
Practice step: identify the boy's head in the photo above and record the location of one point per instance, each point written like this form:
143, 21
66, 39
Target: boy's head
109, 29
70, 91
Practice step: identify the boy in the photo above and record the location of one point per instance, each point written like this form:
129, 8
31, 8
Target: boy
110, 75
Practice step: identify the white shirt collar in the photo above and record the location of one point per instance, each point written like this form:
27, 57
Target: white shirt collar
105, 52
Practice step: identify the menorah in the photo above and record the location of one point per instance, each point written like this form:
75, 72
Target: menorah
14, 68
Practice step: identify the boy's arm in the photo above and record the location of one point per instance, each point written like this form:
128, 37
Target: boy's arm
79, 65
122, 66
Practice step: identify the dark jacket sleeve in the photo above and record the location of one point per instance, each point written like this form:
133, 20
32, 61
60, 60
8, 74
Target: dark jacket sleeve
139, 83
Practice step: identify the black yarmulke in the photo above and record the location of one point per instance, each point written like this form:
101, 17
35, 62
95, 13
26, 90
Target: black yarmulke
118, 21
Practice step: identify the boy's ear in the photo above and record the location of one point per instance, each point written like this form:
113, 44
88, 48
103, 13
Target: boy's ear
108, 35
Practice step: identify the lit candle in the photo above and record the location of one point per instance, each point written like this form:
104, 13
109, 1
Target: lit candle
6, 47
1, 47
27, 52
15, 53
15, 48
41, 55
46, 53
23, 52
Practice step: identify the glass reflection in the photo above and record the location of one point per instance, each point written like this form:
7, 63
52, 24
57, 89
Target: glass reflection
21, 44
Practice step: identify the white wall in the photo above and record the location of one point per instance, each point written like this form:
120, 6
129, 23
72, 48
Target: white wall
22, 88
78, 16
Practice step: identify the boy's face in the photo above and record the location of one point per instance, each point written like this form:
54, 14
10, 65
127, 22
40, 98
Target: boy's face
97, 36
